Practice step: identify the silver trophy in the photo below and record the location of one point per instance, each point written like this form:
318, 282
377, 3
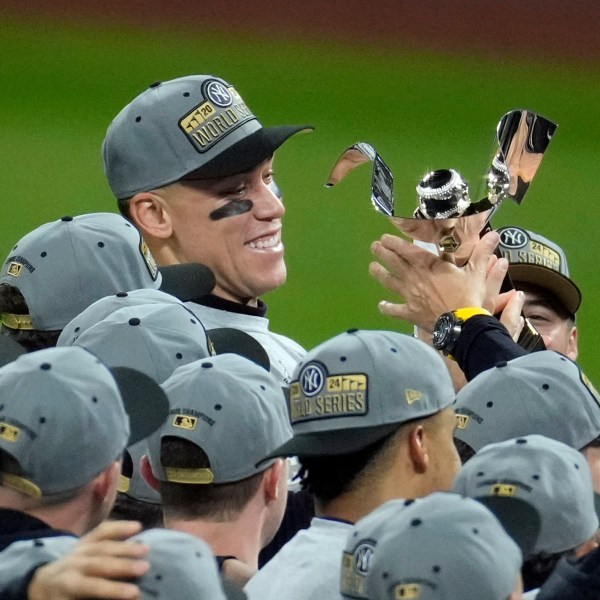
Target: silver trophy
446, 219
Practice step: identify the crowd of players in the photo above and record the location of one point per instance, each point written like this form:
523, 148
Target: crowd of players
157, 440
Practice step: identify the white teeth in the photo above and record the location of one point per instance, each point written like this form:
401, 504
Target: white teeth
266, 243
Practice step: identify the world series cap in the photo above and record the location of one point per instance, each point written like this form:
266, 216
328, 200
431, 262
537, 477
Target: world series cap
194, 127
63, 266
550, 476
229, 407
542, 392
430, 550
535, 260
358, 387
64, 417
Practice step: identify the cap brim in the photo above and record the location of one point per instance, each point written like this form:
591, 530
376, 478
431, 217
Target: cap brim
562, 287
519, 518
247, 153
145, 402
332, 443
227, 340
10, 350
188, 281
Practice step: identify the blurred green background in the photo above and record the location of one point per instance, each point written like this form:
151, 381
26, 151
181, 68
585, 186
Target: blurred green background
62, 84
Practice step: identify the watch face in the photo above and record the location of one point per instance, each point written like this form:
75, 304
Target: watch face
442, 332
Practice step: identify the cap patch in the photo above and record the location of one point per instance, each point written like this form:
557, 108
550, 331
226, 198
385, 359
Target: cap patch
407, 591
148, 259
319, 396
124, 484
462, 421
185, 422
513, 237
503, 489
412, 396
212, 120
355, 567
16, 264
9, 433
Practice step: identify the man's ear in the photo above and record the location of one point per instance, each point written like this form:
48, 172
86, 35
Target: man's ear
417, 448
271, 478
105, 483
147, 474
149, 212
572, 346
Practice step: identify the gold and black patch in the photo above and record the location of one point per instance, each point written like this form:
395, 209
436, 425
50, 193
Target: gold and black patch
322, 396
185, 422
212, 120
14, 269
504, 489
407, 591
355, 568
462, 421
9, 432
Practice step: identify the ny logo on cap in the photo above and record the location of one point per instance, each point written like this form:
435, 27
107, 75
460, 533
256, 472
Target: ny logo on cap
217, 93
513, 237
312, 379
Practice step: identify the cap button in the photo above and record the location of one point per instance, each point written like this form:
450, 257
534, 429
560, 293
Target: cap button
155, 84
134, 321
501, 364
352, 330
66, 218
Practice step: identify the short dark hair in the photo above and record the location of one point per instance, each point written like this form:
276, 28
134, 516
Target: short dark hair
328, 477
214, 501
126, 507
124, 206
464, 450
13, 302
538, 568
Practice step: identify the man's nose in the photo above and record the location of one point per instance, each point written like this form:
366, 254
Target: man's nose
267, 204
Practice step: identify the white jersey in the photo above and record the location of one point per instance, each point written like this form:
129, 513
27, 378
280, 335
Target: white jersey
283, 352
308, 566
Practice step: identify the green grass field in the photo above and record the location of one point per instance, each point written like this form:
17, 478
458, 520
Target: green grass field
61, 86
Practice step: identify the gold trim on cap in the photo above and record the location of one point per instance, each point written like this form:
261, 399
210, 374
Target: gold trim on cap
124, 484
20, 484
16, 321
195, 476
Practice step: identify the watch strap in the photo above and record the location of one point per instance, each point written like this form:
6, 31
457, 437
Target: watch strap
466, 313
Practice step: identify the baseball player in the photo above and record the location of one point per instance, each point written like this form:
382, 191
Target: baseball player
192, 167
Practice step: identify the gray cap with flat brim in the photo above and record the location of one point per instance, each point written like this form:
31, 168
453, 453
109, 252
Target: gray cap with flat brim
194, 127
360, 386
65, 416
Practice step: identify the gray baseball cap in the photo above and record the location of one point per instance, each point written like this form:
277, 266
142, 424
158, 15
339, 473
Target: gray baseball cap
104, 307
550, 476
152, 338
194, 127
542, 392
181, 566
536, 260
63, 266
64, 417
360, 386
232, 409
430, 550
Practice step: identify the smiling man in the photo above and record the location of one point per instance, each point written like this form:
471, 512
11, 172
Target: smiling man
192, 168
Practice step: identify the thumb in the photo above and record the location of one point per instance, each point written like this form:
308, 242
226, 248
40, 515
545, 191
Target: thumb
483, 253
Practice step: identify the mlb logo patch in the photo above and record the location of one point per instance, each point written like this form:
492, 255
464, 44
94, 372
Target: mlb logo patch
14, 269
185, 422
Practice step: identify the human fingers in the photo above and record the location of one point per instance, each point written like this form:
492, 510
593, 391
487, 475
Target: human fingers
482, 252
104, 548
112, 530
511, 316
407, 251
391, 309
388, 279
493, 283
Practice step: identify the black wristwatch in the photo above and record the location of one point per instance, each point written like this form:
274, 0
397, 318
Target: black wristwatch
449, 325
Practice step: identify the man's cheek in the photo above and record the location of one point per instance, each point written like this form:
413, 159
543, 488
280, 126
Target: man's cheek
232, 209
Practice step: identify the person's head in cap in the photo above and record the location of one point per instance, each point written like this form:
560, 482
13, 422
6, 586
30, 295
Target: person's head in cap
57, 270
538, 267
191, 166
226, 414
440, 547
65, 419
541, 490
372, 415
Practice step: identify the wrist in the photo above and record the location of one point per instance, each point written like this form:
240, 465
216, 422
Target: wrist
448, 327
